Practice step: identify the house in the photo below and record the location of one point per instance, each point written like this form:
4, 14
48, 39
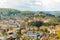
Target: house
47, 20
23, 31
11, 38
32, 35
57, 26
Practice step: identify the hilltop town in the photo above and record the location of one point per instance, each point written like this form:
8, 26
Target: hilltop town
28, 25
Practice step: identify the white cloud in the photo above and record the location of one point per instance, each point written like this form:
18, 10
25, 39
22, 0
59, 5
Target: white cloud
37, 5
11, 3
46, 5
50, 4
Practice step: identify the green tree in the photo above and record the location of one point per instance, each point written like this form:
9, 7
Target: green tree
0, 27
36, 23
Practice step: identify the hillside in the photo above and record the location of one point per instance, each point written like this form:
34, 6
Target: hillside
14, 14
7, 14
56, 13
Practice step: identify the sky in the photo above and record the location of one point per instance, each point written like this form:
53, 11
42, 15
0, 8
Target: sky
31, 5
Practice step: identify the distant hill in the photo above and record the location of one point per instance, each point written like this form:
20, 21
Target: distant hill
56, 13
7, 13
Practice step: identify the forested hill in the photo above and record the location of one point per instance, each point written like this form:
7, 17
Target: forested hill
8, 13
